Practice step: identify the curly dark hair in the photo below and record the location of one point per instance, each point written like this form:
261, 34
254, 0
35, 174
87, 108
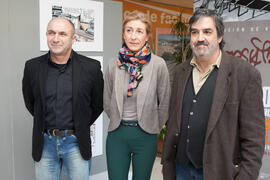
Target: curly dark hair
203, 12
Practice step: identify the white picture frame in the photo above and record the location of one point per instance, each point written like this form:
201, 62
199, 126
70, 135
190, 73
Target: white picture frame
96, 135
96, 130
87, 17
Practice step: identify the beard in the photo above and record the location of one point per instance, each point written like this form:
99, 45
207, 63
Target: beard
202, 49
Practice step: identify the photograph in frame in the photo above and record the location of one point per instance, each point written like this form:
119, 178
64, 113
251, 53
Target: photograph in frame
166, 43
87, 17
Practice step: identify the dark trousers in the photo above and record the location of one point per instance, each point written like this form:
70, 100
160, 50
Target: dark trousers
127, 144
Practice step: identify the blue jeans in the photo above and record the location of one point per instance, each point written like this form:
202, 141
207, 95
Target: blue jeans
61, 153
188, 172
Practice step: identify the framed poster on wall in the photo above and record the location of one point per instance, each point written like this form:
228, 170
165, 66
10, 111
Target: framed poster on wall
96, 130
87, 17
96, 135
167, 43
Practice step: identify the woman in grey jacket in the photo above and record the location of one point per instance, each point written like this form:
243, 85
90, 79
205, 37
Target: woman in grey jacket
136, 97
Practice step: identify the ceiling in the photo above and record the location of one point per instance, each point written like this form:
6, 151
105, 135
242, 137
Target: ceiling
242, 7
187, 4
253, 4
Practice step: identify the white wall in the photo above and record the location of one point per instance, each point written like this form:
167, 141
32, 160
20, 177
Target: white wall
19, 42
6, 156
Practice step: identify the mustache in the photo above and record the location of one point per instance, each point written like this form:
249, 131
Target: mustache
201, 43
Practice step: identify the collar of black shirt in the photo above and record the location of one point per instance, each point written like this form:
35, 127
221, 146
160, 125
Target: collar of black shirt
60, 65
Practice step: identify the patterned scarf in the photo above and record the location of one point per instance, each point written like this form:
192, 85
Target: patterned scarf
132, 63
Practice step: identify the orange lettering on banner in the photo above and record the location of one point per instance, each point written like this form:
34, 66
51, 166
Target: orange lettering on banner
267, 130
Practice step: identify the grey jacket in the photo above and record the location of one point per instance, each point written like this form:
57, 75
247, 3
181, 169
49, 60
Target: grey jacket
153, 95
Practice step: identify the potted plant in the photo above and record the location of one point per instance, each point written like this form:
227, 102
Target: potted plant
181, 54
182, 51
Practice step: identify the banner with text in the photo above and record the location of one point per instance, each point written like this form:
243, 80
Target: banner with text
161, 16
250, 41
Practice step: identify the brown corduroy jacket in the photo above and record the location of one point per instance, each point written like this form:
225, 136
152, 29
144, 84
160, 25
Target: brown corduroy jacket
234, 141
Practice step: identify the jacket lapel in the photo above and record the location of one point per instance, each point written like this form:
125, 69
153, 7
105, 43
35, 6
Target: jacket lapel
43, 71
181, 84
119, 88
76, 77
147, 71
220, 94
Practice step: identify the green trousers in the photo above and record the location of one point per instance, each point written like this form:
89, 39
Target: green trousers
127, 144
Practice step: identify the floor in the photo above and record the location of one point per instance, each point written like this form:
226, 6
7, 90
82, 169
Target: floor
156, 173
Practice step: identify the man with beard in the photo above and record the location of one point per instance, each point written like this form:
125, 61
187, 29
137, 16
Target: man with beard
216, 122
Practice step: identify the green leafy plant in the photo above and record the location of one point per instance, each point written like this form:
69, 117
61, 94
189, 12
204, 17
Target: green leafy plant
181, 54
162, 133
161, 137
183, 50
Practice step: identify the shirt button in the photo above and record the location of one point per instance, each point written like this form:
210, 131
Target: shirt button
174, 146
191, 113
176, 134
194, 100
188, 126
187, 140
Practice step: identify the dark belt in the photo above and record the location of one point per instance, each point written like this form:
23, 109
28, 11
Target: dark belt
133, 124
61, 133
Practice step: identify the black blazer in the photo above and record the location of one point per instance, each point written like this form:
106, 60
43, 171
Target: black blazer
87, 100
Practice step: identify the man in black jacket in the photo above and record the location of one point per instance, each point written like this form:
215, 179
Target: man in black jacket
64, 92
